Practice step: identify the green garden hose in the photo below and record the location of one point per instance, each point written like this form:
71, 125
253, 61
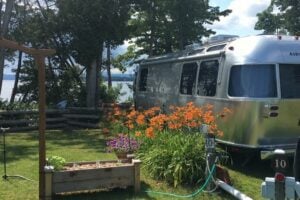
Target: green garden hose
201, 189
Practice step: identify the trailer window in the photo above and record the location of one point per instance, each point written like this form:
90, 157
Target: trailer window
143, 79
290, 81
188, 78
257, 81
207, 79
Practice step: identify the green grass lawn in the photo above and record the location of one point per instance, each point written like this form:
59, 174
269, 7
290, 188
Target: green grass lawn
89, 145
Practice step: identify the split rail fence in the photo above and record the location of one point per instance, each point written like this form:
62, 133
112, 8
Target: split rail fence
70, 118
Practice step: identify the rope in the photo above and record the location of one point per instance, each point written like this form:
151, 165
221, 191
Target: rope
18, 176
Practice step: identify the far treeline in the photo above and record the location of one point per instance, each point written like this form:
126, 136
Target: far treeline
83, 33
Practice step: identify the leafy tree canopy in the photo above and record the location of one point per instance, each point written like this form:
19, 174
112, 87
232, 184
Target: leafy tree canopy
165, 26
280, 16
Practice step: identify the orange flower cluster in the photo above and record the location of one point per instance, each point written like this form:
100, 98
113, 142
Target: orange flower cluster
182, 118
158, 122
186, 116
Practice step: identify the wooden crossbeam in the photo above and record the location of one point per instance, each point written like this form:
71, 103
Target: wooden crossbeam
4, 43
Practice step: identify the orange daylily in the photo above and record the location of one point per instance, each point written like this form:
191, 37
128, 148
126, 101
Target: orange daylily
138, 133
140, 120
150, 132
180, 117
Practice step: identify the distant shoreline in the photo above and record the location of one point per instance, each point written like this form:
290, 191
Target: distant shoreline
115, 77
7, 86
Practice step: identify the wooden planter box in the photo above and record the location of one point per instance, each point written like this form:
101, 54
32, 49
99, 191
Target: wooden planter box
107, 174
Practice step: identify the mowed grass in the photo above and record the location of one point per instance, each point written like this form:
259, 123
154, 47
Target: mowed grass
89, 145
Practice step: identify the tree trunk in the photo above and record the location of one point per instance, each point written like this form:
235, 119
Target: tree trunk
14, 91
152, 27
4, 29
109, 81
91, 80
98, 77
1, 5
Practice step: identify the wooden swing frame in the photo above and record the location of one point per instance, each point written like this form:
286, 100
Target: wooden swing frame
39, 57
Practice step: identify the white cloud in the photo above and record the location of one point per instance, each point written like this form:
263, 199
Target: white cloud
242, 19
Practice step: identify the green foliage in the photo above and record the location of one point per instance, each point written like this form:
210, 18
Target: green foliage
78, 30
127, 59
64, 85
4, 105
37, 25
176, 158
90, 23
289, 15
109, 95
283, 21
267, 22
166, 26
57, 162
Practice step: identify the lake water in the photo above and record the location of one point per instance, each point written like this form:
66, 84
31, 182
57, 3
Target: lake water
126, 92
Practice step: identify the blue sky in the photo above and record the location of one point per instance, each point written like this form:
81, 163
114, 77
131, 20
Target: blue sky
242, 19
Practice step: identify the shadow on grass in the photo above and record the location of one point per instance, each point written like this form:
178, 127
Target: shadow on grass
89, 139
24, 145
17, 152
255, 167
115, 194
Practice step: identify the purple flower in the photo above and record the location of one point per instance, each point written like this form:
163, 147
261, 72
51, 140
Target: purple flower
122, 143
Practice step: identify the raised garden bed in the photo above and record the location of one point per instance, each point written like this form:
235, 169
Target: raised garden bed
83, 176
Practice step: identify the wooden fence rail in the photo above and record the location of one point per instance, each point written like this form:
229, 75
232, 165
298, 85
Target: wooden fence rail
25, 120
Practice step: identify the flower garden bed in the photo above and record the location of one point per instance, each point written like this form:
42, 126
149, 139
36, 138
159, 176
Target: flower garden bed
83, 176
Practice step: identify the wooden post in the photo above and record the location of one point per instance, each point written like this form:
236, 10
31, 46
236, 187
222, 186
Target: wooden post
48, 182
40, 62
137, 179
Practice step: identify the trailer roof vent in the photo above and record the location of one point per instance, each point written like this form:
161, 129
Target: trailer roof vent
221, 38
196, 51
193, 46
216, 48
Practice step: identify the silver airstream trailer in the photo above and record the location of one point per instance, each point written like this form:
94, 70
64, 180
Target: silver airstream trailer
257, 77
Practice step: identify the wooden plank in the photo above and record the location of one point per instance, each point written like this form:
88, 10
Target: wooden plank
30, 121
84, 109
57, 111
14, 45
79, 116
17, 129
69, 164
82, 124
90, 174
34, 111
92, 184
137, 181
17, 122
18, 112
54, 126
58, 119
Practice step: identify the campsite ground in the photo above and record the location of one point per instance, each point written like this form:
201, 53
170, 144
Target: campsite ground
88, 145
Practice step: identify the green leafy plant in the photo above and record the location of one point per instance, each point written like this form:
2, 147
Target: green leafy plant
172, 148
176, 158
57, 162
109, 95
5, 105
